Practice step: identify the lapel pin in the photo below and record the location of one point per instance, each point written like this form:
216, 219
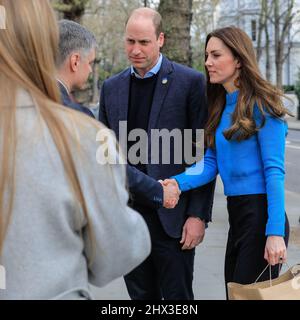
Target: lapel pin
164, 81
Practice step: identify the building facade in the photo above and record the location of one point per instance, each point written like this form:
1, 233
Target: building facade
245, 15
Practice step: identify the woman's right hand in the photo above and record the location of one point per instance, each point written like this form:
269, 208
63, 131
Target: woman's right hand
171, 193
275, 250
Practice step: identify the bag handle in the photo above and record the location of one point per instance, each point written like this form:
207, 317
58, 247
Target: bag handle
270, 274
268, 265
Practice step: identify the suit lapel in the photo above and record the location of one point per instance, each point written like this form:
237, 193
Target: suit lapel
164, 81
123, 95
123, 98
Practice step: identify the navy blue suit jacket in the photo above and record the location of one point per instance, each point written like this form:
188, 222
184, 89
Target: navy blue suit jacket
179, 102
66, 101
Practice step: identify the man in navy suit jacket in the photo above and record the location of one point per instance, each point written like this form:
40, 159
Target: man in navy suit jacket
68, 102
156, 93
76, 56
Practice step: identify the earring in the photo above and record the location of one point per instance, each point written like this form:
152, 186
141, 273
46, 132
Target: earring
236, 82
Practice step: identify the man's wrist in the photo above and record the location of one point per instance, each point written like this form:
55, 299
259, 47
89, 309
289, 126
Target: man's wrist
197, 217
158, 198
200, 219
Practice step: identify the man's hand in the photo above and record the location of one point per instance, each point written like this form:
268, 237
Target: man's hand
171, 193
192, 233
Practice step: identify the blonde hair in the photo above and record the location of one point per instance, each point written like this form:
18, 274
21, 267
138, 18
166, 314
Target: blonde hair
28, 49
253, 89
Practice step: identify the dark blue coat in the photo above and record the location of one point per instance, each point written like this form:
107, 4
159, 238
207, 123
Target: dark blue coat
66, 101
179, 102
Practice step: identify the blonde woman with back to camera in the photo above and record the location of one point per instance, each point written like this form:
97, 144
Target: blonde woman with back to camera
64, 218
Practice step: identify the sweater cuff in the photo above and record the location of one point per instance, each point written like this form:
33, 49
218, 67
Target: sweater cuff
178, 182
275, 229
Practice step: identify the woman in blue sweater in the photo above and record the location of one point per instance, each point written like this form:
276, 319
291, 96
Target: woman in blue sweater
245, 138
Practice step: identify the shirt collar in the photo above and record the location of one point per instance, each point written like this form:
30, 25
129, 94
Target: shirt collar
64, 86
151, 72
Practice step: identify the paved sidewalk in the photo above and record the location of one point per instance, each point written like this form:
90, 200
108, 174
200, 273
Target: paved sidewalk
293, 123
209, 262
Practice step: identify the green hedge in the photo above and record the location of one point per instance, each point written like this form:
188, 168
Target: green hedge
288, 88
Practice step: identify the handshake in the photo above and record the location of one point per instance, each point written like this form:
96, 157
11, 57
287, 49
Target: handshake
171, 193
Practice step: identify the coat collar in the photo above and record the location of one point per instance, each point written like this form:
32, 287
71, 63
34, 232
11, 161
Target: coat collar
23, 98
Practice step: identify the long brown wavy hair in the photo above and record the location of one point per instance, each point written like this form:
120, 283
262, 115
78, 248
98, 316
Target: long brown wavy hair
28, 48
253, 89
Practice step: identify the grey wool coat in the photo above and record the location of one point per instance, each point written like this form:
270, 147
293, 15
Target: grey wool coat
47, 247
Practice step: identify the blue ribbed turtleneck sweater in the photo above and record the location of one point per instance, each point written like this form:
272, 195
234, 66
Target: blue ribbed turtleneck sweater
251, 166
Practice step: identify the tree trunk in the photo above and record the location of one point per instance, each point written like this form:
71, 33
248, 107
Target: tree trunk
177, 19
277, 43
267, 46
283, 19
261, 26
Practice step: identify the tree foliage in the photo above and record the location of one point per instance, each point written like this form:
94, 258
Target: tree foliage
71, 9
204, 21
277, 18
